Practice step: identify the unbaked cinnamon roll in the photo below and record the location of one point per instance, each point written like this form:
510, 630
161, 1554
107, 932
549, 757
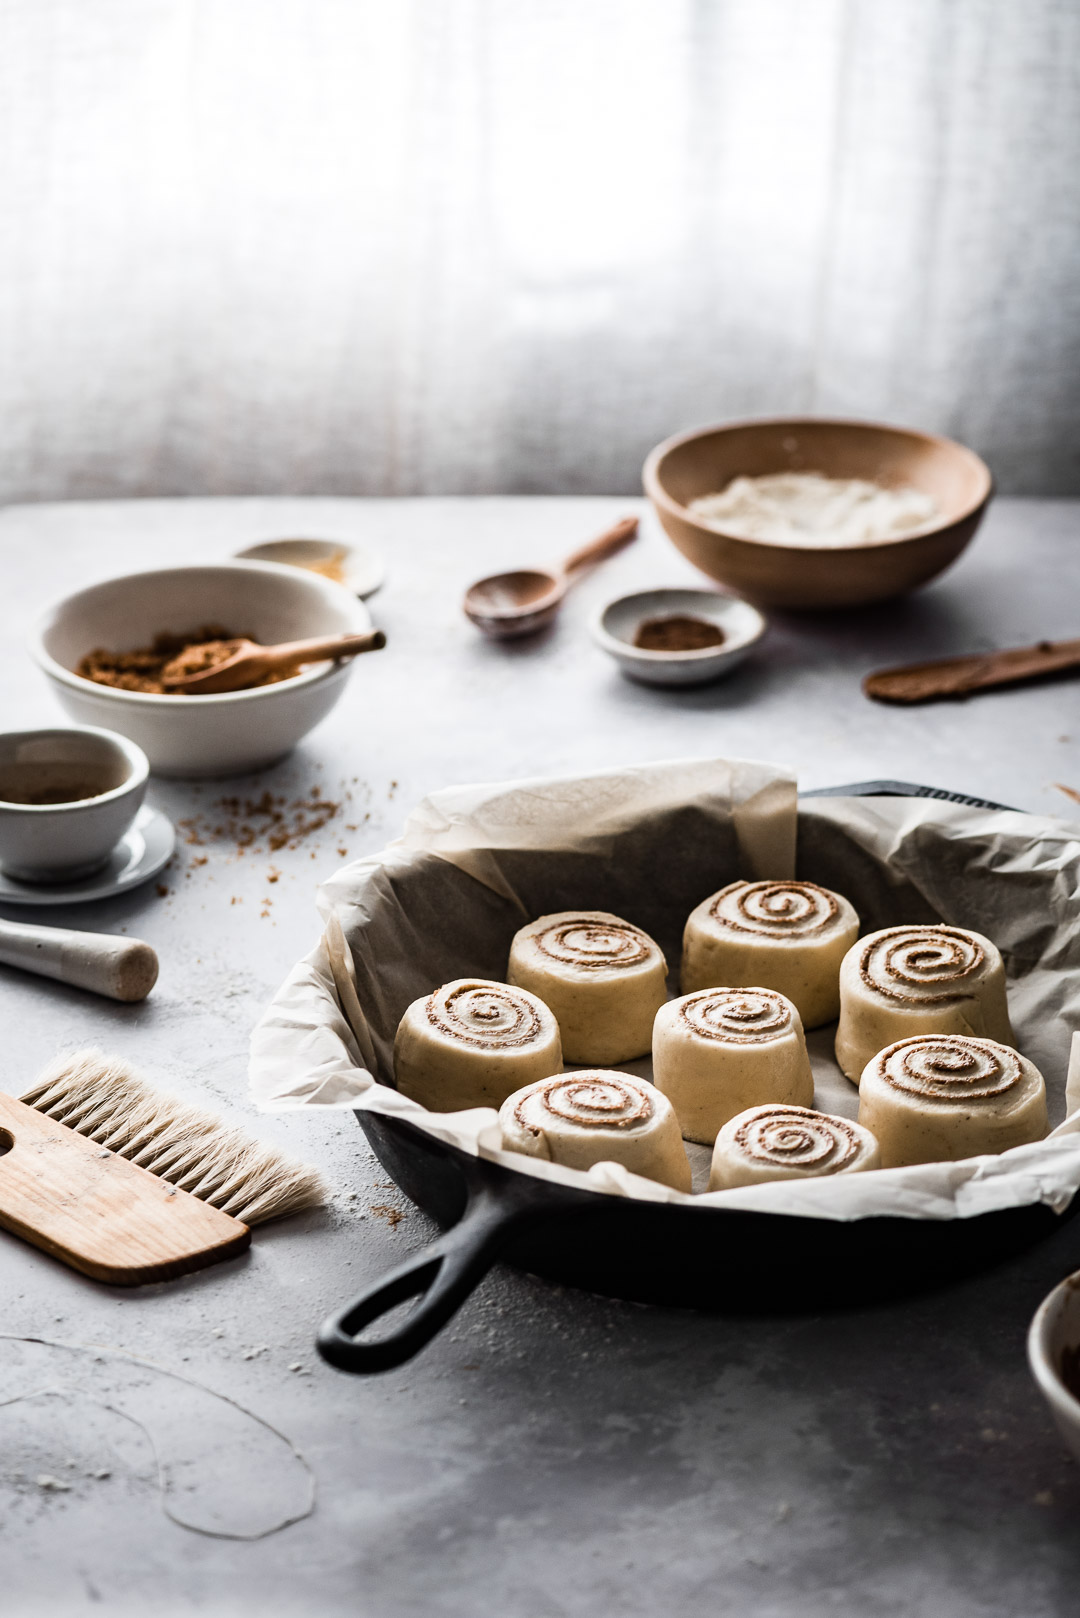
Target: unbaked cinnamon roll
719, 1051
597, 1116
789, 1143
941, 1097
473, 1042
788, 936
905, 981
603, 978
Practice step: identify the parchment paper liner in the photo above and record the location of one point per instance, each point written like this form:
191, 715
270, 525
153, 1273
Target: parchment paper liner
473, 863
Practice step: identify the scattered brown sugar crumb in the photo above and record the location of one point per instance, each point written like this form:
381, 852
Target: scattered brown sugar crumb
677, 632
162, 891
267, 823
393, 1216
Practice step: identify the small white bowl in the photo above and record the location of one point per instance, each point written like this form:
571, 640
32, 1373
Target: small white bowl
615, 626
358, 567
67, 797
1055, 1333
210, 735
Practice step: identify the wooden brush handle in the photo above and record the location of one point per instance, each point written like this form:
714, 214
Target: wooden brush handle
962, 676
598, 550
98, 1212
119, 968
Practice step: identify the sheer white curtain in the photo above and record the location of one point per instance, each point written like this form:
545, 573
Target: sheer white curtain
409, 246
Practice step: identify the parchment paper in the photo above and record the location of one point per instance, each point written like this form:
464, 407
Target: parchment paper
474, 863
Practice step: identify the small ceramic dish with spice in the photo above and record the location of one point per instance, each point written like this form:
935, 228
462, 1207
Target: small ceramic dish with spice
677, 637
67, 797
105, 649
358, 567
1053, 1348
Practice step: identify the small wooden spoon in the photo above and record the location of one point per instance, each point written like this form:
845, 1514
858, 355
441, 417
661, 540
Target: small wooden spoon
251, 662
510, 604
980, 671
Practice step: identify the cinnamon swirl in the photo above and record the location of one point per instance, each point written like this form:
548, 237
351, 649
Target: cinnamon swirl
940, 1097
789, 936
603, 978
789, 1143
719, 1051
905, 981
471, 1043
596, 1116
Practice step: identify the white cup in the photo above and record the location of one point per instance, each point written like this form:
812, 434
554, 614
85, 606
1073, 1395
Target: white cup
67, 796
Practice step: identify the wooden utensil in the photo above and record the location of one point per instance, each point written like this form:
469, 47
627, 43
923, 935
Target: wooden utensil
250, 662
119, 968
507, 605
965, 676
128, 1185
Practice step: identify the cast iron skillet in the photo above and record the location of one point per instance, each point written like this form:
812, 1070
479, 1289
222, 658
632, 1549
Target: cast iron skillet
649, 1252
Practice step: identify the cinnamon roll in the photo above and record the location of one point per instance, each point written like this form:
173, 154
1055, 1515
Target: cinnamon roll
789, 1143
789, 936
604, 980
719, 1051
941, 1097
473, 1042
597, 1116
905, 981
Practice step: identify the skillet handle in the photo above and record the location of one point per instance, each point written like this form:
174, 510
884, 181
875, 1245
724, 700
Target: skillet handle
441, 1276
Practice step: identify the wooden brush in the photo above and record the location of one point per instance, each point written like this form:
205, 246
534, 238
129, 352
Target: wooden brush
129, 1185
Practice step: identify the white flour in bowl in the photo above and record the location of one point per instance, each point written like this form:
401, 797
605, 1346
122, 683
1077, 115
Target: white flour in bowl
807, 508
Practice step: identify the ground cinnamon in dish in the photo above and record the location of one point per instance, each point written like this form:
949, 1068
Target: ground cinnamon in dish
677, 632
141, 669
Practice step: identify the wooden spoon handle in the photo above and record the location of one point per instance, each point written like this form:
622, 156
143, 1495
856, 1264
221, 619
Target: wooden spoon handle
607, 544
961, 676
307, 651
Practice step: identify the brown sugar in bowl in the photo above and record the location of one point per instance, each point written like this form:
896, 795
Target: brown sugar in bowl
805, 577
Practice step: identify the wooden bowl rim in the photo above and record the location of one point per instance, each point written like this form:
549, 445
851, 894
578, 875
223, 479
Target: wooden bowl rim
656, 492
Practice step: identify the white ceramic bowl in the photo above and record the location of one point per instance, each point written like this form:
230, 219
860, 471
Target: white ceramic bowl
67, 797
615, 626
1055, 1336
361, 568
209, 735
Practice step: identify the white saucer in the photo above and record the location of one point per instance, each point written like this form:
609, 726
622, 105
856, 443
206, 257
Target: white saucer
138, 856
362, 568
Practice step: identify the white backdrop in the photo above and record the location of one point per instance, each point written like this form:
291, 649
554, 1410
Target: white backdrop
382, 246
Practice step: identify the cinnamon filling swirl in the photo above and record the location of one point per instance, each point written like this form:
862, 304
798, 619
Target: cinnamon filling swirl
594, 946
486, 1015
950, 1067
921, 965
595, 1100
794, 1137
736, 1016
775, 909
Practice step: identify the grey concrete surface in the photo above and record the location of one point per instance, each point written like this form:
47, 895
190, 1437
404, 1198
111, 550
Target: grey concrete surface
552, 1453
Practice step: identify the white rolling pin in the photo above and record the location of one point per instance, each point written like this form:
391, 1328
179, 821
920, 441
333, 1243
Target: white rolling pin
120, 968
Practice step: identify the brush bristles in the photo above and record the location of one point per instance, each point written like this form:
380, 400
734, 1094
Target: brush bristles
101, 1097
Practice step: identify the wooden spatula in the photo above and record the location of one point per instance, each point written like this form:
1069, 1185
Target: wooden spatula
964, 676
243, 662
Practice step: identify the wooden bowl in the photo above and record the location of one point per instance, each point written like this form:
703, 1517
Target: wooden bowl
808, 577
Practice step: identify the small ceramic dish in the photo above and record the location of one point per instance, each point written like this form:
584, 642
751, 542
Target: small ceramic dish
198, 736
358, 567
144, 849
616, 625
1053, 1348
67, 797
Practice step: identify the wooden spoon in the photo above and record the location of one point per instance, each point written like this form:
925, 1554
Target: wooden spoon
250, 662
980, 671
510, 604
